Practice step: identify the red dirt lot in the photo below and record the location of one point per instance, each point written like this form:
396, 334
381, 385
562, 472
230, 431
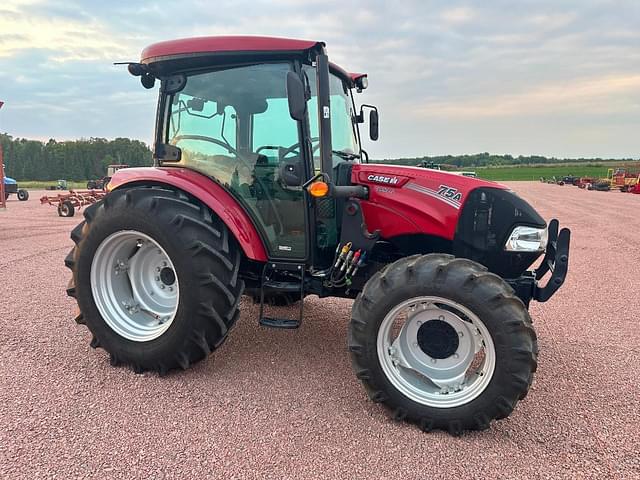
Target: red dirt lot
286, 404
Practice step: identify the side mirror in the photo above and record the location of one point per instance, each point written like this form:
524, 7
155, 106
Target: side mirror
373, 120
148, 80
296, 97
373, 125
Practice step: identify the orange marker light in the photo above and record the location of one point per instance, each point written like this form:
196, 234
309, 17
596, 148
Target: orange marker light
318, 189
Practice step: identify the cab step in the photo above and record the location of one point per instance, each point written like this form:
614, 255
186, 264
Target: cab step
270, 270
274, 322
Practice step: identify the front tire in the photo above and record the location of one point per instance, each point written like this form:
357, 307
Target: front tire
155, 238
23, 195
443, 343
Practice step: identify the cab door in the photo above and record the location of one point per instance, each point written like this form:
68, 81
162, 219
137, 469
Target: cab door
233, 124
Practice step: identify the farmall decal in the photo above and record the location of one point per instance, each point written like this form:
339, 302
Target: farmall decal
383, 179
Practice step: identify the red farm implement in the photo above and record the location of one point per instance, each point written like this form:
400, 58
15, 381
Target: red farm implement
68, 203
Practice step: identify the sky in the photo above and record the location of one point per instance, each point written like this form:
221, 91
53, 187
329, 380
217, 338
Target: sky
545, 77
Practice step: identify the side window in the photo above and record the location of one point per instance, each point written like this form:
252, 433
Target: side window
204, 131
274, 128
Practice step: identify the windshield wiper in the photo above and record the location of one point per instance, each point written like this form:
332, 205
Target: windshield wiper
345, 155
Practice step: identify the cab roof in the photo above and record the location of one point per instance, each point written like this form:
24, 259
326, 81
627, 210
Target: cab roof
205, 46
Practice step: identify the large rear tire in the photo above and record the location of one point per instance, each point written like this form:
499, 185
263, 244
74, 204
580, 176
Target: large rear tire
155, 275
442, 343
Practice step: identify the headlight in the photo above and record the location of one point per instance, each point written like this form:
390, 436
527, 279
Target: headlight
527, 239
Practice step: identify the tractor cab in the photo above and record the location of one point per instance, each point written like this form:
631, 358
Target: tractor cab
262, 117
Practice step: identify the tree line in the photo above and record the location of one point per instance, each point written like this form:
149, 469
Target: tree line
88, 158
491, 160
70, 160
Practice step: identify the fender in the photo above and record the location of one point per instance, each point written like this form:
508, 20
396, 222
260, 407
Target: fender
207, 191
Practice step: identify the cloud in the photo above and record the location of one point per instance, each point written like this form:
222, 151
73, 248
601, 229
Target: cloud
66, 39
604, 95
458, 15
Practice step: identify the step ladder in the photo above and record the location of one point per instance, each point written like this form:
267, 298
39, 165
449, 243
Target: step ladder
267, 282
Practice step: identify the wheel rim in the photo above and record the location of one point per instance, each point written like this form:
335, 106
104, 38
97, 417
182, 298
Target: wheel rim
134, 285
436, 352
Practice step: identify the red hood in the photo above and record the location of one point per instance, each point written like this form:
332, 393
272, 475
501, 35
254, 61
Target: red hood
409, 200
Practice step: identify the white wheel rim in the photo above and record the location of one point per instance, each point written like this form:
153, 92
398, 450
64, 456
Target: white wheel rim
436, 352
134, 286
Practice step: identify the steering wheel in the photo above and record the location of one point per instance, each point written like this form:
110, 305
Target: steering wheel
267, 147
296, 146
204, 138
235, 152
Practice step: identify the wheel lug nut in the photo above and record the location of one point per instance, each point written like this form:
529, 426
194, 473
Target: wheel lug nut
433, 360
415, 344
419, 322
171, 289
441, 317
460, 334
157, 279
158, 269
162, 287
164, 264
455, 355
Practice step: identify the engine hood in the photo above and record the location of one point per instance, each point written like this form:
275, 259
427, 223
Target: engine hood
408, 200
9, 181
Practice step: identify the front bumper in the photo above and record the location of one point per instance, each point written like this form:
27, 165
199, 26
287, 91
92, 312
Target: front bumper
556, 261
11, 188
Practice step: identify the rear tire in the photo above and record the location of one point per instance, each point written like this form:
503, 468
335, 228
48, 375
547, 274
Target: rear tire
23, 195
488, 304
205, 261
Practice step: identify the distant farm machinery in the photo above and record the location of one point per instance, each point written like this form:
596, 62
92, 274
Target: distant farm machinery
622, 179
101, 183
68, 203
617, 179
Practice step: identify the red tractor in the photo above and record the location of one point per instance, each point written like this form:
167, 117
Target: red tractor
261, 187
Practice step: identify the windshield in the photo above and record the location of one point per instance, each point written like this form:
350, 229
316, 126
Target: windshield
343, 135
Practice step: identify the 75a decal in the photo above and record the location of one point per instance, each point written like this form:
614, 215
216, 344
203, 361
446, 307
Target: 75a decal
448, 192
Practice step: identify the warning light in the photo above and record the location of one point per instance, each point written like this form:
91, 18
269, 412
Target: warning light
318, 189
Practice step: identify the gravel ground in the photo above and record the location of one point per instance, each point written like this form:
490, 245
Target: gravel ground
285, 404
